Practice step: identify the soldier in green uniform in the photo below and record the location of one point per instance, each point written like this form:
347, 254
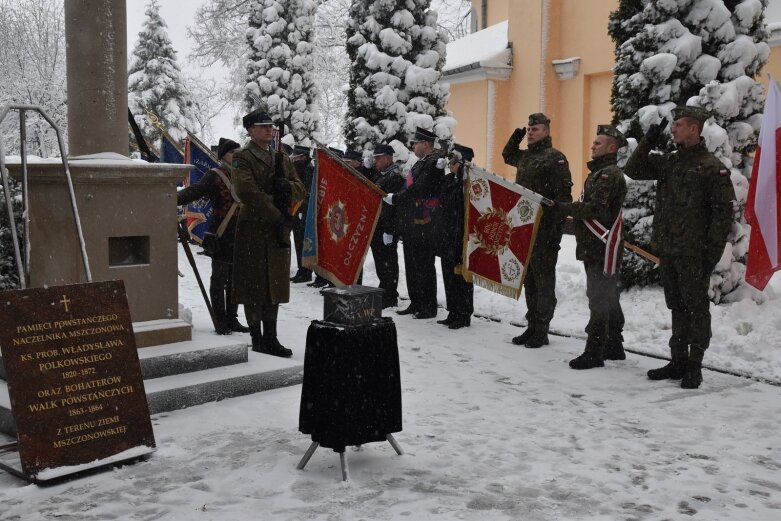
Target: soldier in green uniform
266, 183
600, 244
692, 219
542, 169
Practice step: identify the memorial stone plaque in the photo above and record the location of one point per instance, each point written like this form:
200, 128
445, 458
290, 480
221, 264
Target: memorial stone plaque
74, 378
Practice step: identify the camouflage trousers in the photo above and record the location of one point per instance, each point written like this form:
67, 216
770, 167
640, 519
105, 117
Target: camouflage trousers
686, 295
606, 319
540, 287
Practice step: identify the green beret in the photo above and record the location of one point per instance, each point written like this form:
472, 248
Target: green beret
538, 118
690, 111
610, 130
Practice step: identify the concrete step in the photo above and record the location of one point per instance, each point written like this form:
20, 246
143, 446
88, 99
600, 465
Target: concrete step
227, 377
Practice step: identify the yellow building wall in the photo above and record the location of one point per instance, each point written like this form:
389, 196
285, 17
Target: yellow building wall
469, 103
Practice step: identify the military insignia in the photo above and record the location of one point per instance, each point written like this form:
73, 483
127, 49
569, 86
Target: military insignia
604, 176
336, 218
525, 210
723, 173
493, 230
562, 161
511, 270
479, 189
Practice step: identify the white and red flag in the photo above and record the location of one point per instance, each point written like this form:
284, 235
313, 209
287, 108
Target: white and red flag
764, 196
500, 227
344, 208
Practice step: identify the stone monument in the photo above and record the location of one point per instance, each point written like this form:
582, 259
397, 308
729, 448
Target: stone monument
127, 207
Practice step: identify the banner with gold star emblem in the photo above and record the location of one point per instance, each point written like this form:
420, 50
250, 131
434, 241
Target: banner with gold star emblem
500, 227
343, 211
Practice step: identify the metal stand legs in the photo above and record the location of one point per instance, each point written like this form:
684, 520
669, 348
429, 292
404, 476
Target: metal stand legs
343, 457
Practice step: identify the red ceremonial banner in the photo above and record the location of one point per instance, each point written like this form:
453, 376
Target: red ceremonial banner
500, 226
347, 210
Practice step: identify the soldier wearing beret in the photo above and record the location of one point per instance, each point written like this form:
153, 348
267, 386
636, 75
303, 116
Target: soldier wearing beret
598, 232
266, 184
459, 294
542, 169
386, 174
418, 200
216, 185
692, 220
300, 156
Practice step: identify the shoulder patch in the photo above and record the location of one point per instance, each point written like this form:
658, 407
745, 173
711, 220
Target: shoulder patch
723, 172
562, 161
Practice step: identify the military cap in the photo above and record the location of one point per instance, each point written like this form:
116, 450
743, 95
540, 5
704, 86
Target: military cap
382, 150
353, 155
299, 150
538, 118
256, 117
690, 111
336, 152
610, 130
421, 134
225, 146
466, 153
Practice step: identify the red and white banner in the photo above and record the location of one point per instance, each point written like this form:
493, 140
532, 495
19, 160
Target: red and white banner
500, 227
341, 222
764, 195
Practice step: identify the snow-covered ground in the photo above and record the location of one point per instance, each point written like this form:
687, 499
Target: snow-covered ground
492, 431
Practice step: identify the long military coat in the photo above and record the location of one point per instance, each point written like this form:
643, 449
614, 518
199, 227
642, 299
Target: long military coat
261, 262
543, 169
694, 195
603, 195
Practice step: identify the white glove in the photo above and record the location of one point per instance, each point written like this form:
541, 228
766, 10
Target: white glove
388, 199
368, 161
387, 238
441, 163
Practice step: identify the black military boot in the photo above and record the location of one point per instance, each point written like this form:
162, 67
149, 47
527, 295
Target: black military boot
591, 357
615, 351
523, 337
271, 345
537, 340
257, 337
235, 325
672, 371
446, 321
692, 378
302, 275
319, 282
460, 321
409, 310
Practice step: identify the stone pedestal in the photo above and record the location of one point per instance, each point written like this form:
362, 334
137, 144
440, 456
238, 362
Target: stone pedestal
128, 217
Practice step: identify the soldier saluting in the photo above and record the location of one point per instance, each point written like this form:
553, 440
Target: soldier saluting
692, 219
542, 169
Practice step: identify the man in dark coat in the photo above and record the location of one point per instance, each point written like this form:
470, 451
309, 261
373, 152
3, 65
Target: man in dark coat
449, 222
216, 186
542, 169
600, 246
266, 184
301, 158
386, 174
695, 206
417, 202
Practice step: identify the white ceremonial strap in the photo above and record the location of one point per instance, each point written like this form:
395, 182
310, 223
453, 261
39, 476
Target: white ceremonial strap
227, 183
612, 239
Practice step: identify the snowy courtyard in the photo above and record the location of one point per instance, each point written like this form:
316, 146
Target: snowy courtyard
492, 431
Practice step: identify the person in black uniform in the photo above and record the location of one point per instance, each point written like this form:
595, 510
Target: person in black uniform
386, 174
300, 156
449, 225
216, 185
418, 201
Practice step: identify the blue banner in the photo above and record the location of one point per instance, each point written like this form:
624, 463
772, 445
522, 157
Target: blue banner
309, 250
169, 152
198, 212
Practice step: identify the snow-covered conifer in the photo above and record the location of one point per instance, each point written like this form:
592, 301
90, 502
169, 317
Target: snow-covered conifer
699, 52
397, 53
155, 81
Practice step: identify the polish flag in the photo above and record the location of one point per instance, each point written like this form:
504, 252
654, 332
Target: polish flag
764, 196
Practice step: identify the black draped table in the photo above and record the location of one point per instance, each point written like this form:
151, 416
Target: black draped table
351, 393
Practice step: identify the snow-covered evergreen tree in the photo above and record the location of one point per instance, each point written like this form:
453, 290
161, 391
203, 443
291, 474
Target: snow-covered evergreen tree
280, 68
699, 52
155, 82
9, 272
397, 53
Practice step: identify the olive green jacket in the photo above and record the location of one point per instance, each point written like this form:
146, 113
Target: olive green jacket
261, 260
543, 169
603, 196
694, 200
